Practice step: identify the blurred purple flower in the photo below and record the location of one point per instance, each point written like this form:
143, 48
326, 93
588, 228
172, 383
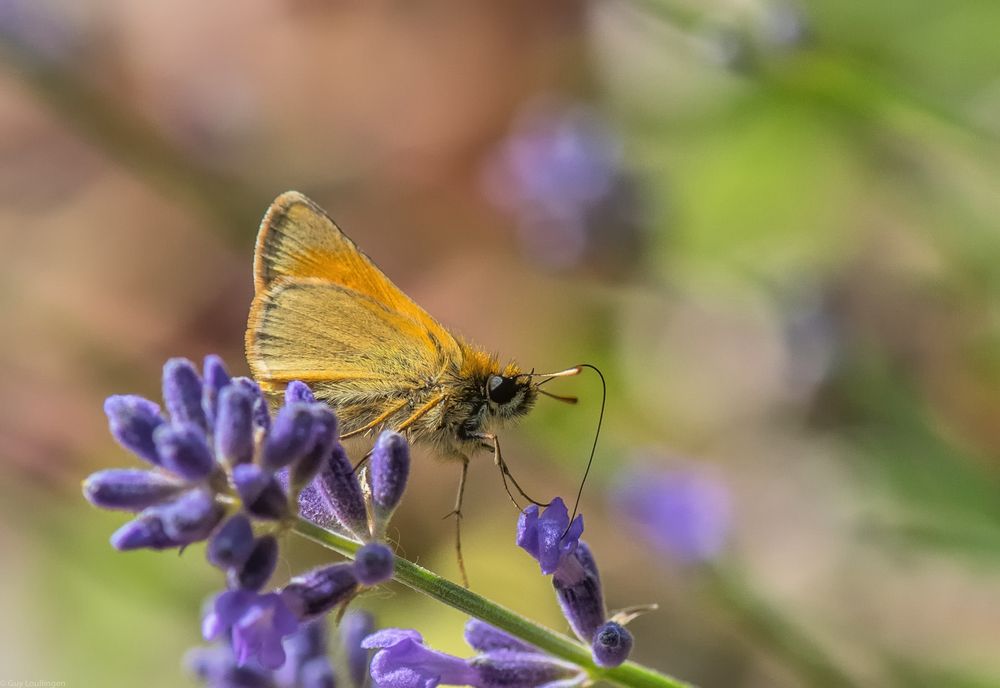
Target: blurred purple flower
684, 513
560, 173
44, 34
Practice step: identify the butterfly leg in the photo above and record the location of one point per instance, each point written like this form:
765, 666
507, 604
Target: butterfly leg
378, 421
457, 513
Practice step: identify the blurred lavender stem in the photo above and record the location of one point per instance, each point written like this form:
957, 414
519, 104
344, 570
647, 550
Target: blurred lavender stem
790, 642
430, 584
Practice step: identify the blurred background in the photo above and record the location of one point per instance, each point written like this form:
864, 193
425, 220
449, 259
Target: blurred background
772, 225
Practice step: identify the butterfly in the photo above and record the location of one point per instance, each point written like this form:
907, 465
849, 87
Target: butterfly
323, 313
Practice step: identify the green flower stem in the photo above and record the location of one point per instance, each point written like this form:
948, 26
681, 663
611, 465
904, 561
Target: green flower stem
556, 644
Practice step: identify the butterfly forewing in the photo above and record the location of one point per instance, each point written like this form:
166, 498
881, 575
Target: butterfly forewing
324, 314
297, 239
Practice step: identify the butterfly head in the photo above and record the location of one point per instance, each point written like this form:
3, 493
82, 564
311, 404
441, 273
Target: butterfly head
509, 393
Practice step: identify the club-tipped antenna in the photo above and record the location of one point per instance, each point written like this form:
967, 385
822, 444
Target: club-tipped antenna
569, 372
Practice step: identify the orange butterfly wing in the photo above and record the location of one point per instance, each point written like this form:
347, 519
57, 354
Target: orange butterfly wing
313, 284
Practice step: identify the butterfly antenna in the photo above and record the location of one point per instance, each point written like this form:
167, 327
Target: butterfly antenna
597, 434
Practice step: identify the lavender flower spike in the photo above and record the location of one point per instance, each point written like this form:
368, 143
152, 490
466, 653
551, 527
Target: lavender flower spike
549, 537
388, 470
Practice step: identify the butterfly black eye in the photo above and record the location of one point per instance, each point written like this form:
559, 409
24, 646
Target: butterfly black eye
500, 389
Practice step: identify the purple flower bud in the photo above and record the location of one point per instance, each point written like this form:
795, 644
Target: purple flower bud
183, 451
403, 661
298, 391
234, 433
374, 563
261, 492
132, 421
505, 669
182, 391
317, 673
578, 589
325, 438
191, 517
232, 544
340, 493
612, 645
354, 628
290, 437
129, 489
387, 472
486, 638
320, 590
146, 531
261, 414
259, 566
549, 538
216, 378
